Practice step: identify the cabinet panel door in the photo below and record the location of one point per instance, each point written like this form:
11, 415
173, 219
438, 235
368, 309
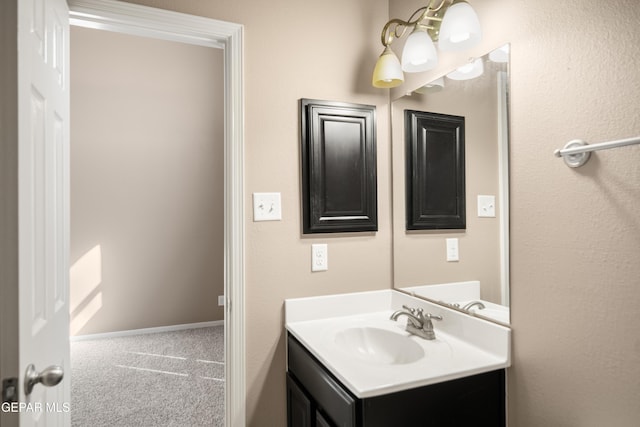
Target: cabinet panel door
435, 171
326, 392
298, 405
339, 184
321, 421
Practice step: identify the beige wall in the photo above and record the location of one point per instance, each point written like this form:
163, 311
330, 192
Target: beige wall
420, 256
575, 233
293, 49
146, 182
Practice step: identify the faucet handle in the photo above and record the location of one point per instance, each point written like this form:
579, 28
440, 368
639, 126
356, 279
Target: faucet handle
433, 316
420, 314
409, 309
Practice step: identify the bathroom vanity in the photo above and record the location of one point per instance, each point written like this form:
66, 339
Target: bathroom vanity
316, 398
348, 364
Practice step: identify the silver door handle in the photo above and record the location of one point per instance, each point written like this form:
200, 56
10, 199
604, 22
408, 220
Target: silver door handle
49, 377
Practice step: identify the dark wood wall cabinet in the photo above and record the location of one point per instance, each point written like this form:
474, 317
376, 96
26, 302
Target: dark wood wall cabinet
339, 192
435, 174
317, 398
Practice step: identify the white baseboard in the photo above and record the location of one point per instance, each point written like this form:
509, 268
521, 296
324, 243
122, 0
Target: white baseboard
170, 328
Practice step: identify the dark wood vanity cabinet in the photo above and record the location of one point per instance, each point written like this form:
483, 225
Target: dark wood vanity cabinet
315, 398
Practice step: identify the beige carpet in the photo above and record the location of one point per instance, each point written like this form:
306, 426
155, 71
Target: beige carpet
159, 379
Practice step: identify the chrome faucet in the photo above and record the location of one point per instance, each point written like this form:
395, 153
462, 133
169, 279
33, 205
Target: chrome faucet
472, 304
418, 323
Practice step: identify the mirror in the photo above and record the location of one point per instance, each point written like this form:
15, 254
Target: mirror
478, 265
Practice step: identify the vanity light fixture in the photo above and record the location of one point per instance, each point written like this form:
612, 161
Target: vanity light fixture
500, 55
431, 87
452, 23
469, 71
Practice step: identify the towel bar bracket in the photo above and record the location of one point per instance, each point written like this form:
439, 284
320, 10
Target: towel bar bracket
575, 160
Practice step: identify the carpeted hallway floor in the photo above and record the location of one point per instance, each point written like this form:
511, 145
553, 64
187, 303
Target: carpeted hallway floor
159, 379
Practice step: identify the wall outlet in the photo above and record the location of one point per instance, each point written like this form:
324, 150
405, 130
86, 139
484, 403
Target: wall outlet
221, 300
319, 257
452, 250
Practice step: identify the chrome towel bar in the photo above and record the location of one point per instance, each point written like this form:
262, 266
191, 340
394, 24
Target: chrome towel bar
577, 152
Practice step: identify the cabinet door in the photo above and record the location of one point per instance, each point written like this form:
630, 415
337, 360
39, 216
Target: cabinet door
321, 421
325, 391
339, 185
435, 183
298, 405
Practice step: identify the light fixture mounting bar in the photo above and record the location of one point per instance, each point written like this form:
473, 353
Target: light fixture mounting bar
396, 28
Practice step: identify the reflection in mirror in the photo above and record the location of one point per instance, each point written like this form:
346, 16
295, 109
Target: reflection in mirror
461, 267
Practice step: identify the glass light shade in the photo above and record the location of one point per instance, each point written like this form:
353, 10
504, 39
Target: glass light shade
501, 54
387, 72
460, 28
469, 71
419, 53
431, 87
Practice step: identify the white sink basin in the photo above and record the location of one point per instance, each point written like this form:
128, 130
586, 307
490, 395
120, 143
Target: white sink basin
379, 346
353, 337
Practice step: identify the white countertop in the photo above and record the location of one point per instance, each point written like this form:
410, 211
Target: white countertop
464, 345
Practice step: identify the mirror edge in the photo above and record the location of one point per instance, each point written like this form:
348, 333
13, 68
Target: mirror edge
504, 86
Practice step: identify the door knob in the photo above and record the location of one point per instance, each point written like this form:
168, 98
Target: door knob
49, 377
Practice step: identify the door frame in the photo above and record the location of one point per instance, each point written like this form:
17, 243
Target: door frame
167, 25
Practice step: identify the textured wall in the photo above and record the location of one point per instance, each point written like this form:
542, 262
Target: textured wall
147, 173
322, 50
575, 234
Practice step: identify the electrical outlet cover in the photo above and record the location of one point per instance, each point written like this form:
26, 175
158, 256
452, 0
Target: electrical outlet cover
319, 257
452, 250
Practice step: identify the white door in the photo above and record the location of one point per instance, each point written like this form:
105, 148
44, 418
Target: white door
43, 192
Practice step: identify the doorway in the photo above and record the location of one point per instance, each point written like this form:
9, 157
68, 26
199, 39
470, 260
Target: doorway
141, 20
147, 182
146, 246
23, 343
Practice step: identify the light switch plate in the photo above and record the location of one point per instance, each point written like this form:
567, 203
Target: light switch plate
487, 206
319, 257
267, 207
